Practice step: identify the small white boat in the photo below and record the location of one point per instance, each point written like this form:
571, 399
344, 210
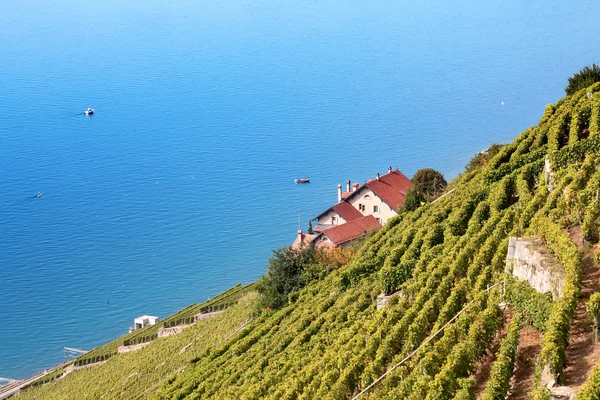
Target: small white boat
89, 111
39, 194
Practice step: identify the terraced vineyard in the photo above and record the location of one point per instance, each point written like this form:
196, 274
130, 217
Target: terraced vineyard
447, 259
184, 316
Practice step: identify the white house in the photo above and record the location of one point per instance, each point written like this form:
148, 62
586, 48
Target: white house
143, 321
360, 209
340, 235
381, 197
336, 215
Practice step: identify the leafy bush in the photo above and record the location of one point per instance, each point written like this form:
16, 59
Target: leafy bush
413, 200
535, 307
285, 274
584, 78
502, 371
429, 182
480, 159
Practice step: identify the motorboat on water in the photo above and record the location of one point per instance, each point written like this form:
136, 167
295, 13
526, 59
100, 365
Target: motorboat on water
302, 180
89, 111
39, 194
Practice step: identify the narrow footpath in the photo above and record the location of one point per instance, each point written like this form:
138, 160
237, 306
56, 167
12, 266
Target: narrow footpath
582, 355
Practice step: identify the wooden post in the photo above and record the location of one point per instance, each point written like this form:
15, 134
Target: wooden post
596, 320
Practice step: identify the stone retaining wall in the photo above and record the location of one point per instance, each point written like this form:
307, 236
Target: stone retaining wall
530, 260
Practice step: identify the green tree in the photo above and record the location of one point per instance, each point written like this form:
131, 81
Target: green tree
429, 182
285, 274
583, 79
310, 228
413, 200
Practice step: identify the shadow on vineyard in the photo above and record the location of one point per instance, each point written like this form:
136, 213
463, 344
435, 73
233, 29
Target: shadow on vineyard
328, 340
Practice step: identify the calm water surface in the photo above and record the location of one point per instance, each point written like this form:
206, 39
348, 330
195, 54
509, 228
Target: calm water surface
182, 182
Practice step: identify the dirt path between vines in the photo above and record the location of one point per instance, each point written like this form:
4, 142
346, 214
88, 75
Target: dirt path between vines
527, 353
582, 355
484, 366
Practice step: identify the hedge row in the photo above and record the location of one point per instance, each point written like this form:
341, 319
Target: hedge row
139, 339
92, 360
556, 337
591, 387
535, 307
502, 371
574, 152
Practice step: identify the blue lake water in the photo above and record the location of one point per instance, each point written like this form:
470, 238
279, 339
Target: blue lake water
182, 182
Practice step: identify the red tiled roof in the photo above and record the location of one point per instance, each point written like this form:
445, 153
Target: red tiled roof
391, 188
303, 239
351, 230
344, 210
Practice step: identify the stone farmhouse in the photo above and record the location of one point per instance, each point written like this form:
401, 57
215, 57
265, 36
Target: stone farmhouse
359, 210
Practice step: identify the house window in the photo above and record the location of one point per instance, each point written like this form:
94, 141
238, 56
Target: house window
361, 207
367, 197
334, 220
375, 209
379, 220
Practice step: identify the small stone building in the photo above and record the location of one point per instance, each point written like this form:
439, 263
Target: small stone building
144, 320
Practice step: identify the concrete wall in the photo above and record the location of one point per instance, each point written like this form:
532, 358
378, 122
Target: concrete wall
133, 347
383, 300
530, 260
368, 199
173, 330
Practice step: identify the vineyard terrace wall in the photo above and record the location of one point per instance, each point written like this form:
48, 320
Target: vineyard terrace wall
531, 261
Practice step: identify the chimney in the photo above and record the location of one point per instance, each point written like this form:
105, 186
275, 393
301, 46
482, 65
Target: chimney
389, 169
377, 176
355, 187
299, 238
348, 185
339, 193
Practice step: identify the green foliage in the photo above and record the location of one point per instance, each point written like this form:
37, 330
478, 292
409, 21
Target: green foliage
535, 307
413, 200
429, 182
481, 159
575, 152
309, 230
285, 274
583, 79
503, 195
590, 225
591, 388
593, 309
555, 339
502, 371
392, 278
467, 389
593, 305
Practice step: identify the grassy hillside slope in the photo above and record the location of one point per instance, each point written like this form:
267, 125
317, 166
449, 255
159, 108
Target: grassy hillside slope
331, 342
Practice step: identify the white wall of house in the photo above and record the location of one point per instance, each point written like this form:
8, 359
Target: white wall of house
368, 203
331, 218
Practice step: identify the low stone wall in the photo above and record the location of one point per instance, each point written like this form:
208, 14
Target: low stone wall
133, 347
382, 299
174, 330
200, 317
530, 260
